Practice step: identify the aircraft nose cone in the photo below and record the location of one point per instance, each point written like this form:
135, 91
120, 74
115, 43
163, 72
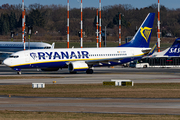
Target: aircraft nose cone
6, 62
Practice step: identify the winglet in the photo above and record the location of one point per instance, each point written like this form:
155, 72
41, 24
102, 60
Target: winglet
52, 46
152, 50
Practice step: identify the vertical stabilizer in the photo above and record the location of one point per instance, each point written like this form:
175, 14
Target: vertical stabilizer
174, 50
143, 35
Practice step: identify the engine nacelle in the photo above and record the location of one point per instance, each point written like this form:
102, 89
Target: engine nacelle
77, 66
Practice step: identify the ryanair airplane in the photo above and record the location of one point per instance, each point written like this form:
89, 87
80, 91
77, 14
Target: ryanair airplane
84, 59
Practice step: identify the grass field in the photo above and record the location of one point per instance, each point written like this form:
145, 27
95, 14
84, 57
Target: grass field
12, 115
144, 90
160, 90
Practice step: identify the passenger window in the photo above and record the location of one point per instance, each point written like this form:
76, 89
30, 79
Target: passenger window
47, 47
13, 56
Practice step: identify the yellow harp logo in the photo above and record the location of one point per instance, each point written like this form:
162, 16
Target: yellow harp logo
145, 32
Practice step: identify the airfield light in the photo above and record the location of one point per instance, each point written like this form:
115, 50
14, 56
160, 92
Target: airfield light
99, 23
12, 35
159, 33
67, 23
29, 35
97, 37
120, 29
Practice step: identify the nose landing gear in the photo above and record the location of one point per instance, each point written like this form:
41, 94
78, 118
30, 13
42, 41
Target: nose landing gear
18, 71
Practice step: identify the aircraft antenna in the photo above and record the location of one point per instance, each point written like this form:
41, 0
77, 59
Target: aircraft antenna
158, 40
23, 23
67, 23
99, 23
120, 29
97, 29
81, 26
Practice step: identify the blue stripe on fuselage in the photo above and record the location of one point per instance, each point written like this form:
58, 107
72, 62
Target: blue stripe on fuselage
43, 65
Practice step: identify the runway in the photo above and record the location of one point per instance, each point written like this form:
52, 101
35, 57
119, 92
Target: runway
94, 105
147, 75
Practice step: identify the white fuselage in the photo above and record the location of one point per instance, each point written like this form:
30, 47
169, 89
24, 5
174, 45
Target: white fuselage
89, 55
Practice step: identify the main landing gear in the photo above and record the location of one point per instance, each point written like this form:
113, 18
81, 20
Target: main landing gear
89, 71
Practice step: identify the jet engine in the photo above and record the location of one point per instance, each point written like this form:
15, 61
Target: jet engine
77, 66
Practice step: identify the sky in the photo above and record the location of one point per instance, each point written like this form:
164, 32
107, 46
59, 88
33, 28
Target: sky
95, 3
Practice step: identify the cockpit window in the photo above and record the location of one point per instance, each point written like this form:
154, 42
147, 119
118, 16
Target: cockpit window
12, 56
47, 47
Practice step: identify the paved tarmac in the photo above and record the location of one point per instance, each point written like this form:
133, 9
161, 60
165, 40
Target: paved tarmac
147, 75
94, 105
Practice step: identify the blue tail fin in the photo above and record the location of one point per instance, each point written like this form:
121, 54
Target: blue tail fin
143, 35
174, 50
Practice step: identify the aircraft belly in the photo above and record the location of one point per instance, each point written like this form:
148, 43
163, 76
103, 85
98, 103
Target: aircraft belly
51, 65
42, 65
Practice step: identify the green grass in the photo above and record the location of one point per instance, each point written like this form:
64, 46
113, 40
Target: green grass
158, 90
13, 115
145, 90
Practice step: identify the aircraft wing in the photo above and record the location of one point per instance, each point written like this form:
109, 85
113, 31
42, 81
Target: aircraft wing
2, 52
4, 55
52, 46
107, 61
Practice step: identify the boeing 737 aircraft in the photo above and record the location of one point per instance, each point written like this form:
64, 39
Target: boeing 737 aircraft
7, 48
83, 59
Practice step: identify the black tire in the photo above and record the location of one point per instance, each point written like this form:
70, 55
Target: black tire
145, 66
19, 72
89, 71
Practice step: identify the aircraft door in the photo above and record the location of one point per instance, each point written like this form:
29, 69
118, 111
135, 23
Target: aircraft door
132, 52
27, 58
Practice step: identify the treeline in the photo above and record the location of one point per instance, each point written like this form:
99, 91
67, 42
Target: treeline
52, 19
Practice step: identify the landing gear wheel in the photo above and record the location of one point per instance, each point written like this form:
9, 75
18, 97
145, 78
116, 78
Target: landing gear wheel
89, 71
19, 72
145, 66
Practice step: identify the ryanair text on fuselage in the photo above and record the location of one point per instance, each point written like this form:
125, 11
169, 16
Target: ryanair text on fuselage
60, 55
